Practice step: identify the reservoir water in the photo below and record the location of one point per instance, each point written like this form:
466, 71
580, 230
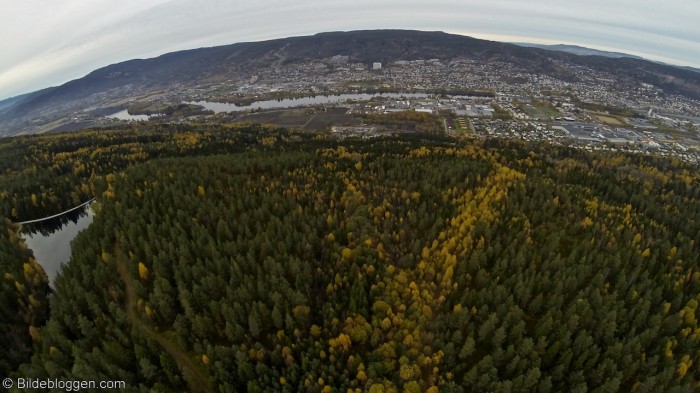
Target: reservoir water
50, 239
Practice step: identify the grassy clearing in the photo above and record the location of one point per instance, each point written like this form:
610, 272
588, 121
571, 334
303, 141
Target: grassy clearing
539, 111
609, 119
306, 118
286, 117
462, 126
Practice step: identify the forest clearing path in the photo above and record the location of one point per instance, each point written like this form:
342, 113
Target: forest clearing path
195, 377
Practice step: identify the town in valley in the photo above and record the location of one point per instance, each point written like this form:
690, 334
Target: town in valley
590, 109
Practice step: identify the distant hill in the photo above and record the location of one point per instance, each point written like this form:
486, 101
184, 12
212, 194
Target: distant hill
212, 65
689, 68
578, 50
583, 51
9, 102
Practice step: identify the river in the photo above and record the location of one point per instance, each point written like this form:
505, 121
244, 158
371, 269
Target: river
219, 107
124, 115
303, 101
50, 239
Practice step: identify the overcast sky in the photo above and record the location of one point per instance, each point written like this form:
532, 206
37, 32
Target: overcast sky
46, 42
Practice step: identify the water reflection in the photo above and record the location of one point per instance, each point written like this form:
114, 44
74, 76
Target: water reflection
51, 225
50, 239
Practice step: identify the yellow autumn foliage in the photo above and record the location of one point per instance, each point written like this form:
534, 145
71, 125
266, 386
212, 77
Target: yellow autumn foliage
143, 272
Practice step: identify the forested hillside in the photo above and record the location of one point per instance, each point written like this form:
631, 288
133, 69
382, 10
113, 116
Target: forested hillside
24, 291
249, 259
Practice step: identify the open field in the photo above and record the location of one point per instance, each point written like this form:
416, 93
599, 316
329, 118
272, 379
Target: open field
609, 120
333, 117
125, 101
293, 118
461, 126
305, 118
539, 111
371, 84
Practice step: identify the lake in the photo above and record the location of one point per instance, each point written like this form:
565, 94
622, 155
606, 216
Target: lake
50, 239
124, 115
303, 101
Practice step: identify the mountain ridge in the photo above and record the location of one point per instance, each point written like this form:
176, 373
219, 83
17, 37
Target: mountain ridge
585, 51
578, 50
140, 76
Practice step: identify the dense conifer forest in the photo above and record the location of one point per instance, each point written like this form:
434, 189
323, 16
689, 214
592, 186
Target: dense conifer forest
266, 260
